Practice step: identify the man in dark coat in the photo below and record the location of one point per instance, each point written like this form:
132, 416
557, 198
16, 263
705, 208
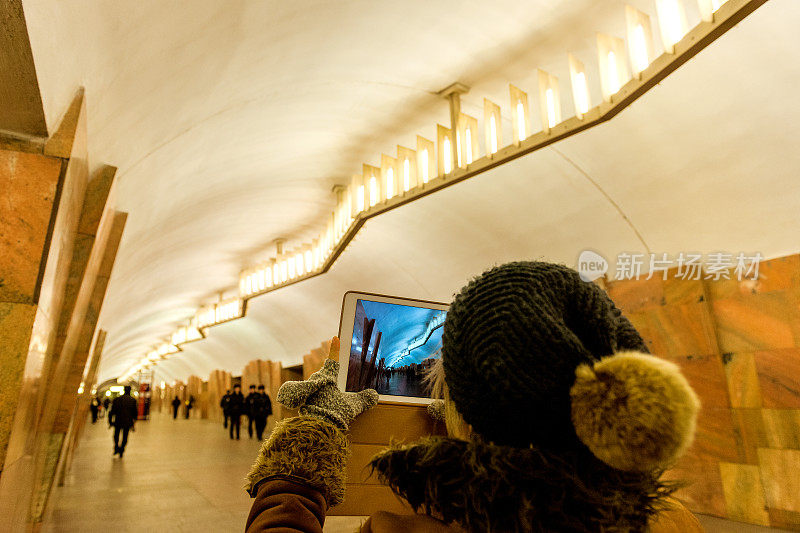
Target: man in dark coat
123, 414
249, 404
176, 403
226, 399
262, 408
235, 410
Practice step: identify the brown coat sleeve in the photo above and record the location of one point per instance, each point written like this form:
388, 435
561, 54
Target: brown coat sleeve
287, 505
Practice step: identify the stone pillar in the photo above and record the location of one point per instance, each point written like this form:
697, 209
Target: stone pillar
42, 184
219, 381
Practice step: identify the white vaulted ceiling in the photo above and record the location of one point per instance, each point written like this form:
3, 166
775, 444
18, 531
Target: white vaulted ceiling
230, 122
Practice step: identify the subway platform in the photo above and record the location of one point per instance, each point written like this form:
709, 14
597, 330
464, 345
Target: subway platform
182, 475
176, 475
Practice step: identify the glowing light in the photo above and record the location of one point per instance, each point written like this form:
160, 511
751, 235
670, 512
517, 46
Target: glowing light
458, 149
389, 183
291, 267
671, 22
468, 137
613, 73
551, 107
448, 156
373, 191
108, 392
581, 93
284, 271
425, 165
716, 4
493, 133
309, 258
639, 49
406, 174
276, 275
521, 121
360, 199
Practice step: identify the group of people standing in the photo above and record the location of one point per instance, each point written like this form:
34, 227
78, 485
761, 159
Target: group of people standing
256, 406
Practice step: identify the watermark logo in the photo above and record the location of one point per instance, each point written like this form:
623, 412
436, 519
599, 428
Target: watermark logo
591, 265
686, 265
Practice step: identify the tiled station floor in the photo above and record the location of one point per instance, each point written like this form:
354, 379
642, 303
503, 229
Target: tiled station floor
176, 475
180, 475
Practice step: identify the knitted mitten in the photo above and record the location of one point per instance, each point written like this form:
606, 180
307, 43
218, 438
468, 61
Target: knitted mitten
319, 397
312, 448
436, 410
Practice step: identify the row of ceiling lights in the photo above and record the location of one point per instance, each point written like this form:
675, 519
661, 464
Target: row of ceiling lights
411, 170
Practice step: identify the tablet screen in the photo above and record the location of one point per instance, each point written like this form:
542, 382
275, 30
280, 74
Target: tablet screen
392, 348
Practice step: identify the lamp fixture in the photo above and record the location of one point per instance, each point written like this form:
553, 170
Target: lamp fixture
493, 127
640, 39
672, 22
549, 101
520, 114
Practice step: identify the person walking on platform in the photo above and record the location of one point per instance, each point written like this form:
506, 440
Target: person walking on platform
235, 409
189, 405
106, 403
262, 408
94, 407
249, 404
224, 402
176, 403
123, 414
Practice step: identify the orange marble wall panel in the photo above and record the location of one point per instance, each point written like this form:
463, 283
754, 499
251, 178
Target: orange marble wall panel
676, 330
683, 291
703, 492
782, 428
750, 432
779, 377
779, 470
28, 187
636, 294
86, 311
744, 494
16, 324
706, 375
715, 437
219, 381
777, 274
784, 519
742, 379
756, 322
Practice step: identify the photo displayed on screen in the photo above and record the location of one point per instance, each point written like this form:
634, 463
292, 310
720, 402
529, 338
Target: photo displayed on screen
393, 346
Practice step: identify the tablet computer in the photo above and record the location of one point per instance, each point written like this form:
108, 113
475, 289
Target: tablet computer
388, 344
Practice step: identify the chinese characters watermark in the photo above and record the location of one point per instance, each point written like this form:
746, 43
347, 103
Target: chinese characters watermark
686, 266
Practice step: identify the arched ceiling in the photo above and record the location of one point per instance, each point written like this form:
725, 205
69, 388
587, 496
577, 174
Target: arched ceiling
230, 122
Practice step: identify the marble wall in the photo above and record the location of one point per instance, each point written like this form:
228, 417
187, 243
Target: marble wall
738, 343
31, 192
43, 193
219, 381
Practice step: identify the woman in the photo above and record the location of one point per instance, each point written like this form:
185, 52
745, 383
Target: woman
559, 420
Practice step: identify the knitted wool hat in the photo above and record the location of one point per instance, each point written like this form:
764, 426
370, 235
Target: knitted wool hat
525, 353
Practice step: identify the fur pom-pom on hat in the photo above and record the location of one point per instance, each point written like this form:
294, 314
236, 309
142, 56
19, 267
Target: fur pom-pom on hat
635, 412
